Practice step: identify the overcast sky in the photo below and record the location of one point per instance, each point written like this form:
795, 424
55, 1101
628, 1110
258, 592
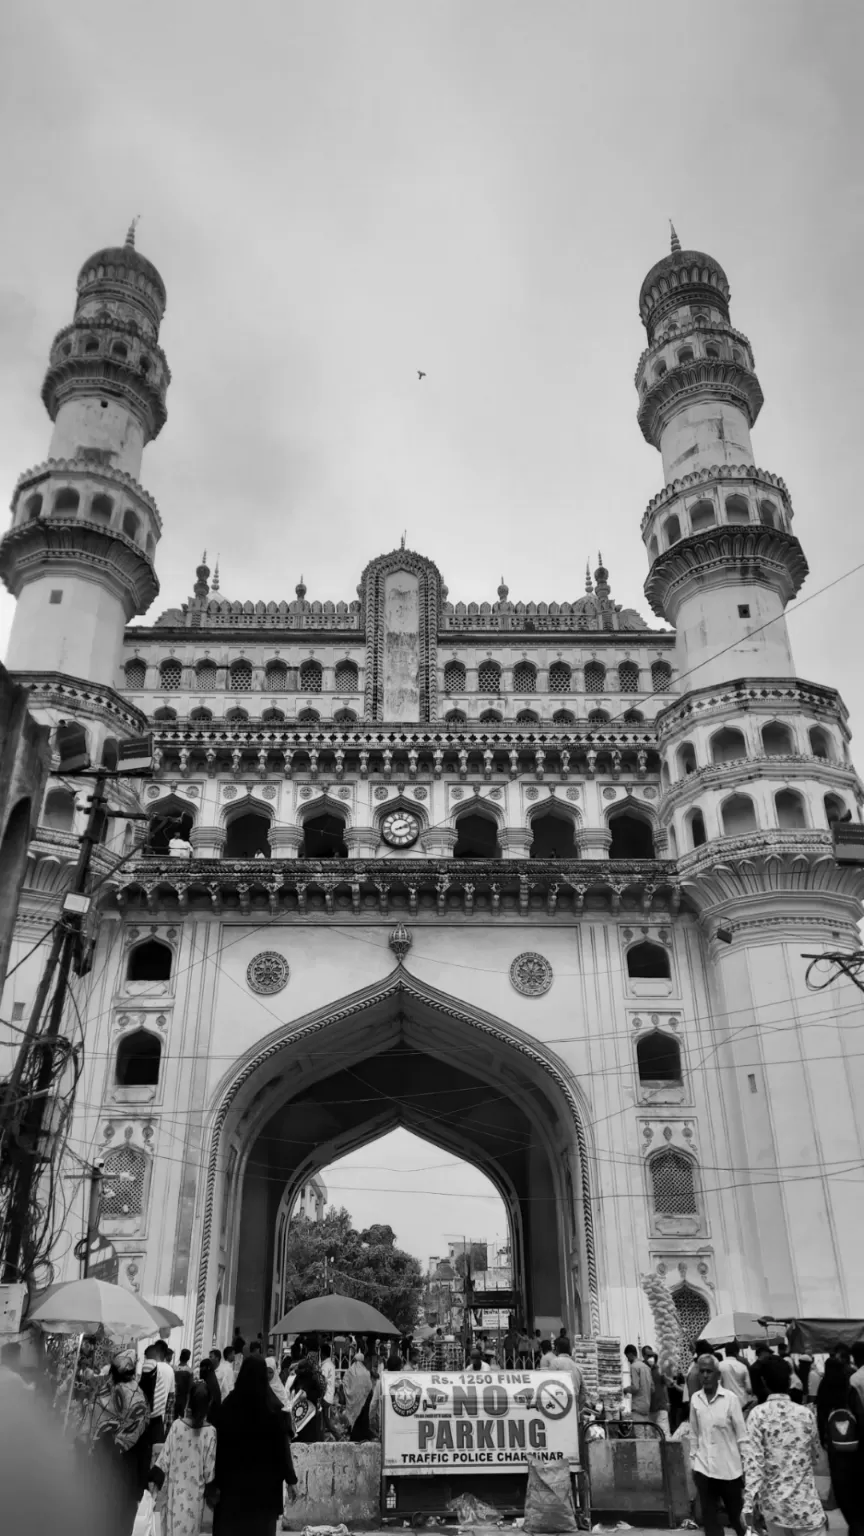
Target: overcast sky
338, 195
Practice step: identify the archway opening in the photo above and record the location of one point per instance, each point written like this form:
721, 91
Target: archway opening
632, 837
324, 837
554, 837
476, 837
247, 836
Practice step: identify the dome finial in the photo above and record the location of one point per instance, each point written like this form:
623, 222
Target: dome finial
130, 233
503, 591
300, 589
201, 588
676, 243
589, 588
216, 576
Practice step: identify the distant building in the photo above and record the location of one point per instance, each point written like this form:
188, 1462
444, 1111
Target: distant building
311, 1200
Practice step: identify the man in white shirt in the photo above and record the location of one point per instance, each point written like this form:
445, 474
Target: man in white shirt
224, 1368
563, 1361
734, 1375
717, 1433
328, 1371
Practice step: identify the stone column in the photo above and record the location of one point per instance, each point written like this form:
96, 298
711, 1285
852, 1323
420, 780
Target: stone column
593, 842
516, 842
362, 842
285, 842
439, 842
207, 842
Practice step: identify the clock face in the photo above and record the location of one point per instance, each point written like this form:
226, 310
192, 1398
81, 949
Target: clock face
400, 828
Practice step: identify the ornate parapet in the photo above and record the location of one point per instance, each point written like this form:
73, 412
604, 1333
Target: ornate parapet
372, 889
765, 881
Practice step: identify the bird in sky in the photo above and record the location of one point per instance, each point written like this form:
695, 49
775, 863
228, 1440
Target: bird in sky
420, 374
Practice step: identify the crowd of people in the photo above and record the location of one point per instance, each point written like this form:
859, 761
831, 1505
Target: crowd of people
759, 1430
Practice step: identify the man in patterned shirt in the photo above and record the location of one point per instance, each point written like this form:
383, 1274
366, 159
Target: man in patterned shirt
784, 1447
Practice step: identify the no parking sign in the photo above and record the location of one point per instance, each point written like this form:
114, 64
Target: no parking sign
469, 1420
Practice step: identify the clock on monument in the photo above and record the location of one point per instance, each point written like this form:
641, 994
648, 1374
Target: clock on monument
400, 829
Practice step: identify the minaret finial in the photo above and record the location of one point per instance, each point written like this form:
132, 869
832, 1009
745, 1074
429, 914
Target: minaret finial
588, 584
402, 545
215, 587
676, 243
130, 233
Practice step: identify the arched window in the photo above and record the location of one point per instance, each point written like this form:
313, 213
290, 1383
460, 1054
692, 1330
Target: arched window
563, 717
527, 717
628, 677
661, 676
66, 502
658, 1057
598, 717
119, 349
454, 677
150, 961
345, 718
712, 350
70, 744
246, 836
101, 509
694, 1314
165, 713
206, 675
790, 809
777, 740
553, 838
273, 717
171, 673
835, 809
560, 677
91, 345
138, 1058
167, 821
673, 1184
738, 815
634, 717
737, 509
672, 529
131, 525
695, 822
685, 355
660, 369
456, 717
476, 837
673, 842
200, 714
237, 716
653, 548
632, 837
728, 745
136, 673
58, 812
595, 677
768, 514
311, 677
240, 676
702, 516
110, 754
324, 838
32, 507
308, 717
489, 677
524, 677
346, 677
820, 743
648, 962
738, 356
490, 717
123, 1179
276, 677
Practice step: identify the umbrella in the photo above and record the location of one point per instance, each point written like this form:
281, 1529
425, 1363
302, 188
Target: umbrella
334, 1314
163, 1317
82, 1306
746, 1327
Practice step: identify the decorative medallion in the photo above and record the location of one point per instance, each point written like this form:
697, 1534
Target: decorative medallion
531, 974
531, 794
400, 941
495, 794
457, 793
153, 792
400, 829
229, 792
305, 791
572, 794
193, 791
420, 793
268, 972
650, 792
609, 794
345, 793
269, 791
381, 792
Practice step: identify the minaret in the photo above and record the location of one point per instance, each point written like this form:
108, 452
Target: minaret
755, 773
79, 555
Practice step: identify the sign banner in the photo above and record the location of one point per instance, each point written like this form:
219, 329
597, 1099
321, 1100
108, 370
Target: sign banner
468, 1420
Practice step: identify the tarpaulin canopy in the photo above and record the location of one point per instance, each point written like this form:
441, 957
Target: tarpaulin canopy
818, 1335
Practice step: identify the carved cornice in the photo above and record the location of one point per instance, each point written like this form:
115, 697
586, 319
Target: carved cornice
85, 469
719, 378
746, 770
84, 700
716, 474
696, 326
426, 889
796, 871
754, 553
780, 696
68, 543
682, 277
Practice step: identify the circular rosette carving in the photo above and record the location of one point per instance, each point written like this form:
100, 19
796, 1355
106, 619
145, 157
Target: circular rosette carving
267, 972
531, 974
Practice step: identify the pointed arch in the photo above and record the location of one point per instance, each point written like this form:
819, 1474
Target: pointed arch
323, 804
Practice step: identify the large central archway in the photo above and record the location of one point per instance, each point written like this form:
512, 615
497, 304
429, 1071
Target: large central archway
399, 1053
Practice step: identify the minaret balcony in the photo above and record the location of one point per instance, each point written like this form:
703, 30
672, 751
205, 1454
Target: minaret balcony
795, 767
720, 378
754, 553
62, 543
730, 495
105, 354
91, 488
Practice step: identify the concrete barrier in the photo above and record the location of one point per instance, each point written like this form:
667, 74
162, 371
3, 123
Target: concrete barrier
336, 1482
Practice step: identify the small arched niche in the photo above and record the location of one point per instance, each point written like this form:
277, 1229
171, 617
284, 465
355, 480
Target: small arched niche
695, 824
777, 740
738, 815
647, 961
658, 1058
702, 516
247, 834
476, 837
58, 812
737, 509
820, 743
672, 529
101, 509
138, 1058
789, 806
632, 836
685, 759
66, 502
324, 837
728, 745
835, 809
553, 835
150, 961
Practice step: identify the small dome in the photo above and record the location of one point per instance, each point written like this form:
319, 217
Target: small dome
124, 259
677, 269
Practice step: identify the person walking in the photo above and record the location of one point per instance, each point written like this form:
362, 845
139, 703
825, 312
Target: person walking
328, 1371
224, 1370
253, 1457
120, 1418
208, 1376
784, 1449
358, 1386
734, 1375
658, 1411
841, 1436
547, 1356
187, 1465
183, 1380
639, 1391
717, 1434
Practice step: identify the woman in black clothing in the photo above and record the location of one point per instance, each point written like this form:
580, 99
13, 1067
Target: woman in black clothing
208, 1375
847, 1472
253, 1456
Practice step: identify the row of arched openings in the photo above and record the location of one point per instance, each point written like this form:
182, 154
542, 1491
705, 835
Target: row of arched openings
703, 515
562, 677
738, 815
238, 676
66, 502
728, 745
